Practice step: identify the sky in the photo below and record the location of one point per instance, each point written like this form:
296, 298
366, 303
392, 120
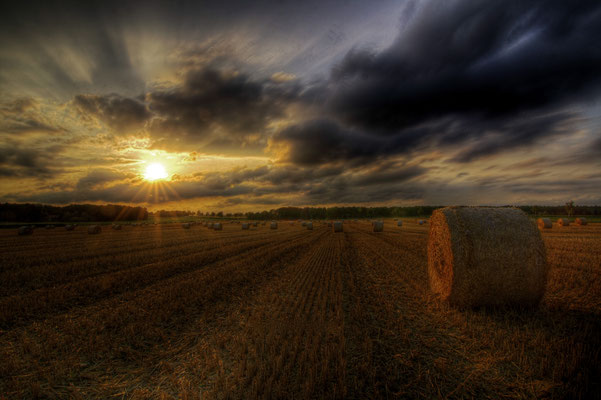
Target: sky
257, 105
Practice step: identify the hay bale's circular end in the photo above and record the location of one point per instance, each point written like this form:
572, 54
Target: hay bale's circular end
245, 226
480, 256
69, 227
581, 221
186, 225
310, 226
544, 223
94, 229
399, 223
563, 222
274, 225
217, 226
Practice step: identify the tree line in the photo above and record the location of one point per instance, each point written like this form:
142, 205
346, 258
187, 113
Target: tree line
112, 212
402, 212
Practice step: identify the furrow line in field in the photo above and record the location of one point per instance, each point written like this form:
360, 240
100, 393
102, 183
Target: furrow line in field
142, 319
35, 305
36, 278
84, 250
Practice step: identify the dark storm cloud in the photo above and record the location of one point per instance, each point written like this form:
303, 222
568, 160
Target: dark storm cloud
492, 65
324, 141
210, 100
18, 162
515, 133
121, 114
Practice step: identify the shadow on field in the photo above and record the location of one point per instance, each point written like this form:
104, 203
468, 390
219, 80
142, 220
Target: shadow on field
564, 344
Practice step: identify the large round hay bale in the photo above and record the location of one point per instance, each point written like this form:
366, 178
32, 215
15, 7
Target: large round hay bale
479, 256
245, 226
544, 223
69, 227
94, 229
25, 230
186, 225
338, 226
378, 226
274, 225
399, 223
563, 222
310, 226
217, 226
116, 227
581, 221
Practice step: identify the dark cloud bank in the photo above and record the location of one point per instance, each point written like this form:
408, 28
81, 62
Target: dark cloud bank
503, 73
500, 74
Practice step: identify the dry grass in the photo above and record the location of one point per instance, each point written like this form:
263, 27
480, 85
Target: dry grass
163, 312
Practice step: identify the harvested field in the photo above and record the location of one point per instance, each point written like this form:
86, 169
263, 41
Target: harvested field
158, 311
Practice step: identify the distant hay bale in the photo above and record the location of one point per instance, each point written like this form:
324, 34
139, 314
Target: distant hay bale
210, 225
544, 223
563, 222
378, 226
49, 226
399, 223
116, 227
421, 222
304, 223
274, 225
480, 256
217, 226
25, 230
94, 229
245, 226
581, 221
310, 226
69, 227
186, 225
337, 226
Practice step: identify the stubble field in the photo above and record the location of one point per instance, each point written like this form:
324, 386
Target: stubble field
158, 311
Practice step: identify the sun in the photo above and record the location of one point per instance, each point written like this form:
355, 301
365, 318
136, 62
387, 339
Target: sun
154, 172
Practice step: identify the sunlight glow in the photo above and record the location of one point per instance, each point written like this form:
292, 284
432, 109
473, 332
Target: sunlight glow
154, 172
